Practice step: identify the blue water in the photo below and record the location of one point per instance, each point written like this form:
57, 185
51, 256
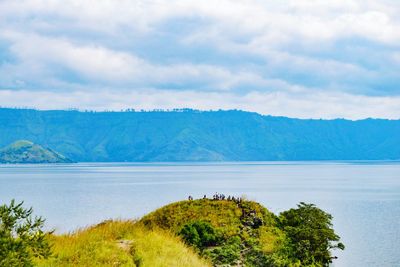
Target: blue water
363, 197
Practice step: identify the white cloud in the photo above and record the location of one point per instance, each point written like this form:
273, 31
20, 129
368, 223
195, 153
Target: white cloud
317, 20
96, 64
91, 61
297, 53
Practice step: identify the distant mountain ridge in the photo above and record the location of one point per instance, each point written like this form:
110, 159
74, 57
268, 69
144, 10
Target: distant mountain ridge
189, 135
24, 151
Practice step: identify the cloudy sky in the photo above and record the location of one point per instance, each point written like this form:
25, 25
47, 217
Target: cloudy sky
297, 58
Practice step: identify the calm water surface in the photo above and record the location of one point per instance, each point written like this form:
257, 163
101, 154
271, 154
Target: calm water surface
363, 197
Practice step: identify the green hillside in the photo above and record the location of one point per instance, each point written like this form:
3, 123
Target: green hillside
27, 152
189, 135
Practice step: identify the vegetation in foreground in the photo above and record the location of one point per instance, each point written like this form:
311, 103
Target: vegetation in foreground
204, 232
21, 236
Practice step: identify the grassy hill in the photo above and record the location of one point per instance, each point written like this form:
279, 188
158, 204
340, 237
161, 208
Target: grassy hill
203, 232
246, 232
189, 135
27, 152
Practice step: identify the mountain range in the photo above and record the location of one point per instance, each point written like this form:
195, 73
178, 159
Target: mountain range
190, 135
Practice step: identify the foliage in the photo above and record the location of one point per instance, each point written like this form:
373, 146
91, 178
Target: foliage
228, 253
21, 236
211, 244
310, 234
199, 234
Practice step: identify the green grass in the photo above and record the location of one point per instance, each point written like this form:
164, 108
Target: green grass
120, 243
222, 214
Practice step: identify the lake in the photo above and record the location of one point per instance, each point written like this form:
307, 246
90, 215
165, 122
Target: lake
363, 197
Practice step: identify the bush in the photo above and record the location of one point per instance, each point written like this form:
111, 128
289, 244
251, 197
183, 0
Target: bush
199, 234
21, 236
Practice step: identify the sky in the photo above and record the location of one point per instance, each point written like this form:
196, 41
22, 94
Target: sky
297, 58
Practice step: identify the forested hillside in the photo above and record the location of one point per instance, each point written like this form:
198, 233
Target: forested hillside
188, 135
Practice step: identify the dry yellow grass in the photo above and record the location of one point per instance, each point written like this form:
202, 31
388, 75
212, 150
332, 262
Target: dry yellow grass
121, 243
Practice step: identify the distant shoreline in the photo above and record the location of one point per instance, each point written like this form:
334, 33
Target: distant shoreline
277, 162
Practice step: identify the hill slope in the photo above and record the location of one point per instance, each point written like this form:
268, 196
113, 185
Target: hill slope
200, 136
120, 243
27, 152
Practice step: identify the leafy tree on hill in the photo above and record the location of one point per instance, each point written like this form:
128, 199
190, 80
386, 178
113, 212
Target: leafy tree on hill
199, 234
21, 236
310, 234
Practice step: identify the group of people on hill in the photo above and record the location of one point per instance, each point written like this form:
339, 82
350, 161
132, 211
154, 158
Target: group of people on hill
218, 196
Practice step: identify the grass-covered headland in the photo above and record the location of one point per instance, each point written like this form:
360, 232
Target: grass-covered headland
204, 232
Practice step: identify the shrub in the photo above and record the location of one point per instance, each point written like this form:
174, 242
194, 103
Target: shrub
199, 234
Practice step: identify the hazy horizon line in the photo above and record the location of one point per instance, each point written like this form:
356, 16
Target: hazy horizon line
182, 110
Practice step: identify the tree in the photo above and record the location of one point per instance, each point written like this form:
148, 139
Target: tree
21, 236
310, 234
